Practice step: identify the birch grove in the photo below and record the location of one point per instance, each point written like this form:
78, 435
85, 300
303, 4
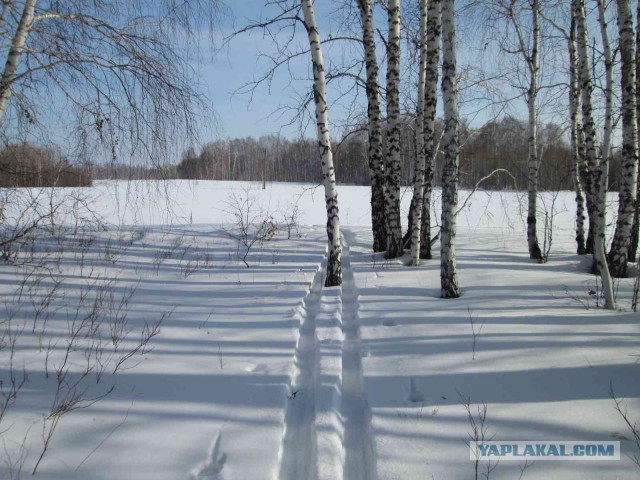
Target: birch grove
629, 167
374, 118
392, 166
448, 275
334, 261
595, 139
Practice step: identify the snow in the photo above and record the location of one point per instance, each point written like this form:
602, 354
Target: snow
261, 373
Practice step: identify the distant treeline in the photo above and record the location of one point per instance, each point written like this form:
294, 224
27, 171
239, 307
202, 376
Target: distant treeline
496, 145
28, 165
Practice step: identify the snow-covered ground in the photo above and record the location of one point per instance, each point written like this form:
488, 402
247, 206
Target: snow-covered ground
260, 373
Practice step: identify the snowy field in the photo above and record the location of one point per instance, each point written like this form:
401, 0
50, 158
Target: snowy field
259, 373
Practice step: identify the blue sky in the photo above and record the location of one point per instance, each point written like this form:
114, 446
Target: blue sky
239, 62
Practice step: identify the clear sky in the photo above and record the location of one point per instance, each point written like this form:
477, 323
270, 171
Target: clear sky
241, 60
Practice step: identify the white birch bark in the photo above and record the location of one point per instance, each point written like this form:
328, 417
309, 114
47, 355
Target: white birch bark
608, 88
448, 276
578, 166
629, 166
15, 52
334, 263
532, 95
430, 104
633, 244
376, 154
531, 57
418, 185
598, 167
392, 167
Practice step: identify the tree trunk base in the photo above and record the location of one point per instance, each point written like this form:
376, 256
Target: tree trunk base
534, 252
334, 273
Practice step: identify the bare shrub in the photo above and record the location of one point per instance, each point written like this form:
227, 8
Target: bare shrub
251, 225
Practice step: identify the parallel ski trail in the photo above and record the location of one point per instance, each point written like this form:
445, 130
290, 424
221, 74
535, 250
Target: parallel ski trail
327, 423
298, 452
358, 442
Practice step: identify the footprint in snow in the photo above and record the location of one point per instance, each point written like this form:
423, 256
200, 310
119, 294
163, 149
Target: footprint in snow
414, 395
212, 469
259, 368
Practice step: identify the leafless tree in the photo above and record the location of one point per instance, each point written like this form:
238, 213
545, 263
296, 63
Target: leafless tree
598, 163
119, 67
448, 270
290, 14
419, 171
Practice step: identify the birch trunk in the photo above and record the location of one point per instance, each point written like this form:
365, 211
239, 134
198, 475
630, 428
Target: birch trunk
15, 52
608, 88
578, 166
532, 95
633, 244
376, 154
392, 167
334, 263
430, 104
598, 166
418, 185
629, 166
605, 147
448, 275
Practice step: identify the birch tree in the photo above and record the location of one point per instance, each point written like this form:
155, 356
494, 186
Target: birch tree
532, 95
627, 196
418, 186
598, 164
376, 153
524, 22
334, 263
392, 167
607, 127
448, 275
578, 167
430, 104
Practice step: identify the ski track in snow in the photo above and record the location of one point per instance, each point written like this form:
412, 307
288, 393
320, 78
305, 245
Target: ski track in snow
298, 451
358, 439
327, 432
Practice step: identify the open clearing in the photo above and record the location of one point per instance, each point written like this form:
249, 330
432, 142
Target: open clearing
261, 373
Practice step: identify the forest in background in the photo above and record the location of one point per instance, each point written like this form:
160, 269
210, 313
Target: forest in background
496, 145
501, 144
